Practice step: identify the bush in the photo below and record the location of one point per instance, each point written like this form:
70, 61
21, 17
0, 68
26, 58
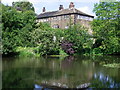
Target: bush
79, 37
46, 40
67, 47
16, 27
97, 51
25, 51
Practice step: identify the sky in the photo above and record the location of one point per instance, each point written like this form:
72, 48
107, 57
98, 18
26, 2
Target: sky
85, 6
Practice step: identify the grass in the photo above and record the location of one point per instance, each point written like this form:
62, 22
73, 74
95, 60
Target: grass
113, 65
27, 51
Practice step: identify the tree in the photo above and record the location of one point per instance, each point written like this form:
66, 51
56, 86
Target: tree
79, 37
16, 27
23, 5
106, 26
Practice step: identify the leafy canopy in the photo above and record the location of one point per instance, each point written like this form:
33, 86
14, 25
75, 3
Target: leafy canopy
106, 26
23, 5
15, 28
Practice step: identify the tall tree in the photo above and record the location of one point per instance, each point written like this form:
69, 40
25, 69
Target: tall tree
15, 28
23, 5
106, 26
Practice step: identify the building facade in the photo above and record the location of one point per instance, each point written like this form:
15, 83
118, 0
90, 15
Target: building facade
62, 18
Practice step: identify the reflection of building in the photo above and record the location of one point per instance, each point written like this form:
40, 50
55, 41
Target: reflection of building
62, 18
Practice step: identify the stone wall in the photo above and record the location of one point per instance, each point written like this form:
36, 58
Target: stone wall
65, 20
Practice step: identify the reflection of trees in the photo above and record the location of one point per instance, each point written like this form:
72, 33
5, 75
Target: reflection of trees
75, 72
107, 59
27, 72
14, 78
67, 62
106, 77
107, 73
26, 77
102, 81
71, 71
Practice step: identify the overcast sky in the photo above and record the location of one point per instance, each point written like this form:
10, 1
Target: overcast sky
51, 5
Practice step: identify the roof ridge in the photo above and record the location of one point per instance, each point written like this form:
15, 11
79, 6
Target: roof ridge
55, 11
62, 12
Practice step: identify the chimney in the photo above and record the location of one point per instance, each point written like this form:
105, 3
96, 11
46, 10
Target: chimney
71, 5
43, 9
61, 7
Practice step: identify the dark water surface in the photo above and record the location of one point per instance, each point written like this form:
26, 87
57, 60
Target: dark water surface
70, 71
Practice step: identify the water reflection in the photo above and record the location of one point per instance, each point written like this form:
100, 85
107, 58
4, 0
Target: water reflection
67, 62
102, 81
71, 71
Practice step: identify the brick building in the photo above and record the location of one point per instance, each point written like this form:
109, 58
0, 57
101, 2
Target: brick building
62, 18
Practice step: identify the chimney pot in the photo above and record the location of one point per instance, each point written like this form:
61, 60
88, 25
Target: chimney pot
71, 5
43, 9
61, 7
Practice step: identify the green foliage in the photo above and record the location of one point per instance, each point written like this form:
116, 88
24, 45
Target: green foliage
43, 39
61, 52
97, 51
28, 51
20, 30
16, 27
106, 27
24, 5
43, 26
113, 65
47, 40
80, 38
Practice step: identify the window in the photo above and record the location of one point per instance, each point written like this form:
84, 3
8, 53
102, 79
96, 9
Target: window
51, 18
87, 18
41, 20
78, 17
44, 20
55, 18
83, 17
59, 18
56, 26
66, 27
66, 17
90, 19
47, 20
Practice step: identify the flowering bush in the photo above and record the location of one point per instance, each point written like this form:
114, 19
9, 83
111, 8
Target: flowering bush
67, 47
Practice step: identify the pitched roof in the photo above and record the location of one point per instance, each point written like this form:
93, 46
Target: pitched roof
62, 12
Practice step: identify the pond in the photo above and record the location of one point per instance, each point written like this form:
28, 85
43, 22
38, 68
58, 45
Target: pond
70, 71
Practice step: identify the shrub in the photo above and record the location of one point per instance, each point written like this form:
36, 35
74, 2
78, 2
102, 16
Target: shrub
44, 39
78, 36
67, 47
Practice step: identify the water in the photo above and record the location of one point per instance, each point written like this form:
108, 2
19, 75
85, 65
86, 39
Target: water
70, 71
